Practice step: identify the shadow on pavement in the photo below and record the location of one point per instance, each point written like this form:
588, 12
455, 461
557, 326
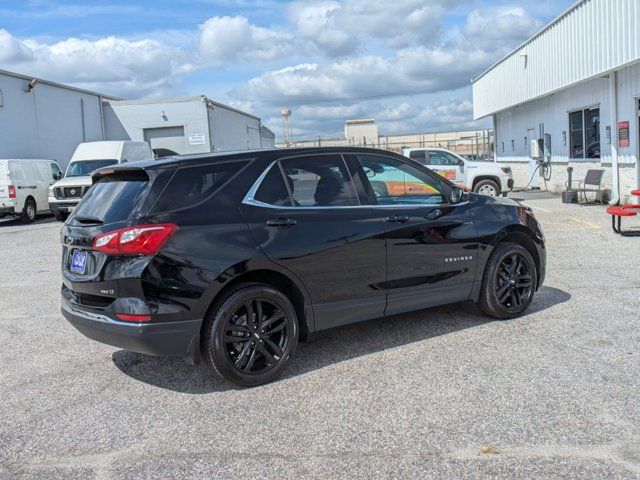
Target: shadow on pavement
16, 222
330, 346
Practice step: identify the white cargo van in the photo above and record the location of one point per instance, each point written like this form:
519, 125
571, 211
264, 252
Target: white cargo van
24, 184
65, 194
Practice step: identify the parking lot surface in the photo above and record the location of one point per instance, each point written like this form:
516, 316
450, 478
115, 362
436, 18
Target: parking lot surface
441, 393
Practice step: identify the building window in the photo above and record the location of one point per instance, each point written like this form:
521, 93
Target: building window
502, 147
513, 145
584, 127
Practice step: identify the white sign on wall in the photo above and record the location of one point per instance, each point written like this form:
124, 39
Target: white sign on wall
197, 139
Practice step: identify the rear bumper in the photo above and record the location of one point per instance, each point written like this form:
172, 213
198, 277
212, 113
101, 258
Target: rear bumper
7, 210
180, 338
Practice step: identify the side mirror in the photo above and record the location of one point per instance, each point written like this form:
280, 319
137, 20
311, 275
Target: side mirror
457, 195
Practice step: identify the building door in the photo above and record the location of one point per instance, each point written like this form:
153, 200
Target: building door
167, 138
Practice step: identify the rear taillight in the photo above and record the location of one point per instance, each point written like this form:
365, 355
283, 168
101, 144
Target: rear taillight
138, 240
12, 191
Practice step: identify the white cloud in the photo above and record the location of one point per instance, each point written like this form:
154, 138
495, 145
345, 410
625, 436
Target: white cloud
12, 50
411, 71
113, 65
342, 28
508, 25
229, 39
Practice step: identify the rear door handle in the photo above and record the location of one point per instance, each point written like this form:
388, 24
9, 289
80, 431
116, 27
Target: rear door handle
433, 214
398, 219
281, 222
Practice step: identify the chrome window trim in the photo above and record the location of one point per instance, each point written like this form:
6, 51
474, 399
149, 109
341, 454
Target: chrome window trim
249, 199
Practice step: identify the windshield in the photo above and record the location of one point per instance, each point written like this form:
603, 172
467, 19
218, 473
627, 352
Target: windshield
82, 168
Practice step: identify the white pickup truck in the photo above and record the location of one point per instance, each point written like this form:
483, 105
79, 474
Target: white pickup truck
486, 178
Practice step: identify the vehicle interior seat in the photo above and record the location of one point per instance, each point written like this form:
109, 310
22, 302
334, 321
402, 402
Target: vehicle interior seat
330, 191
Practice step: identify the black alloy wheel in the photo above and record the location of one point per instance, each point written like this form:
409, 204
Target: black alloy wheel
256, 336
251, 335
509, 282
513, 284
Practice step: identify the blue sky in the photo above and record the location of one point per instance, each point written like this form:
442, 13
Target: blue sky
407, 63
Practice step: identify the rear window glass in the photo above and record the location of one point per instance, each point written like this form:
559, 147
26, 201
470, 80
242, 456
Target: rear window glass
192, 185
113, 199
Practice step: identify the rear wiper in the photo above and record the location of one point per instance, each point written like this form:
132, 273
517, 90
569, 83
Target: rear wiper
88, 219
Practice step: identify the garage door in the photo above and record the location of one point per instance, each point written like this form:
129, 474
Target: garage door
169, 138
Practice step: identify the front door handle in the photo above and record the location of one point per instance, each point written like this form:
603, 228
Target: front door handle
433, 214
281, 222
398, 219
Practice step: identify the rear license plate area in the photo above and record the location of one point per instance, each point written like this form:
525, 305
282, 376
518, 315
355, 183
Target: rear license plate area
78, 262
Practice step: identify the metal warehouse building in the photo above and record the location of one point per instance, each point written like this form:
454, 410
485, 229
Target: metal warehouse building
42, 119
184, 125
578, 80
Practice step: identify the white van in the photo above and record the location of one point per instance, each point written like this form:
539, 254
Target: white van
65, 194
24, 184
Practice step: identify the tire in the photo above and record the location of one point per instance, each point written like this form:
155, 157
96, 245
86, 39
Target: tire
487, 187
61, 216
259, 355
29, 211
508, 288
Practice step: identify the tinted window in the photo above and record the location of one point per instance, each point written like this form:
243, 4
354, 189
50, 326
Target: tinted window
419, 155
273, 189
85, 167
396, 183
112, 200
192, 185
320, 181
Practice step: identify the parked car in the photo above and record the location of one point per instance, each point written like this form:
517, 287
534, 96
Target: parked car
486, 178
24, 184
89, 156
237, 257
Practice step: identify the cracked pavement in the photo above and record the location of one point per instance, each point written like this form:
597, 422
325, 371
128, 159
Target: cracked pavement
440, 393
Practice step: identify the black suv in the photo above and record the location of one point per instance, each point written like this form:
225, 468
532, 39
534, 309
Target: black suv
236, 257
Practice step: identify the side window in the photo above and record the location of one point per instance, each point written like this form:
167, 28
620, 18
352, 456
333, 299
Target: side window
192, 185
452, 160
420, 156
320, 181
56, 173
396, 183
273, 190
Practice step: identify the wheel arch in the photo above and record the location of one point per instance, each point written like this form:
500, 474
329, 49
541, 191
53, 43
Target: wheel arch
277, 279
523, 237
482, 177
30, 197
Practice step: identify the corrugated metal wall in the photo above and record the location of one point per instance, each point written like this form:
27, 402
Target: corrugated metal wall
592, 38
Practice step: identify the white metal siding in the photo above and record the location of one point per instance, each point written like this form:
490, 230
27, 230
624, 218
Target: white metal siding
47, 122
591, 39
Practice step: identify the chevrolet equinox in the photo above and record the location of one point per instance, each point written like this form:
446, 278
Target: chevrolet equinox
236, 257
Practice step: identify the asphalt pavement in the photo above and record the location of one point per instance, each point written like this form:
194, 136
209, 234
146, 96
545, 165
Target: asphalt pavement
441, 393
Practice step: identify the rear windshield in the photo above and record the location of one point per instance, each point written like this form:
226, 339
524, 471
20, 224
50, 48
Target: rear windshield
85, 167
113, 199
192, 185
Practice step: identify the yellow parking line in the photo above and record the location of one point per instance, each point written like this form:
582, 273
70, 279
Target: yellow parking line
588, 224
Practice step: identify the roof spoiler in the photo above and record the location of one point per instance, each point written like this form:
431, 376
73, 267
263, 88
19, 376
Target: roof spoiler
125, 170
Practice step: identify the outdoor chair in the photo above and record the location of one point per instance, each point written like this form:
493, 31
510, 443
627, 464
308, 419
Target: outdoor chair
592, 183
